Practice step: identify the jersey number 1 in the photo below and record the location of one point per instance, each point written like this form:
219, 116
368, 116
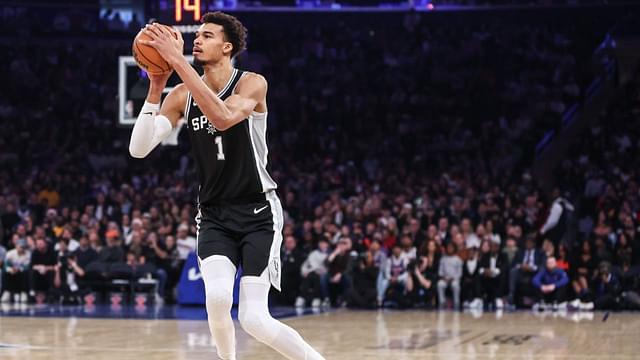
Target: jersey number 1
220, 150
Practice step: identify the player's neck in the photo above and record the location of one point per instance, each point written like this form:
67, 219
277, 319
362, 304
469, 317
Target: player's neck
217, 75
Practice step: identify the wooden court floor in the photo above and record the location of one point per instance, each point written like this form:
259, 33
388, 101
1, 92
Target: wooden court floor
338, 335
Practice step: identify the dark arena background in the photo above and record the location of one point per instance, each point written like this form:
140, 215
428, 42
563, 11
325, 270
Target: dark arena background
459, 179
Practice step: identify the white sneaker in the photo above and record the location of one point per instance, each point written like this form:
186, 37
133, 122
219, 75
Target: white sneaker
499, 303
299, 302
6, 297
539, 306
586, 306
316, 303
563, 306
466, 304
476, 313
326, 303
16, 298
159, 300
575, 304
476, 304
23, 298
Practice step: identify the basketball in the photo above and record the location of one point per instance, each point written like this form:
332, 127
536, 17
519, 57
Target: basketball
148, 58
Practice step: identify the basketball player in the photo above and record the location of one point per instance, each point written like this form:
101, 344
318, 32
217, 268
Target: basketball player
239, 215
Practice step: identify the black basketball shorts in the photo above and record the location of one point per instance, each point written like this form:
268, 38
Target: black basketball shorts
248, 234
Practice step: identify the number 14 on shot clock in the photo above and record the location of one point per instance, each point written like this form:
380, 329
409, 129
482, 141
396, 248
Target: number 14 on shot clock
187, 6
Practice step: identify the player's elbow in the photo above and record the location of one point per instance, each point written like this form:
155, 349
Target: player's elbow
137, 153
220, 120
221, 123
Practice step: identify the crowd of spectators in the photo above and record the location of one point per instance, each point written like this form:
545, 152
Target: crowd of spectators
401, 161
602, 171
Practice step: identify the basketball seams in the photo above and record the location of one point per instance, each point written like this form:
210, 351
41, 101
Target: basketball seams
138, 52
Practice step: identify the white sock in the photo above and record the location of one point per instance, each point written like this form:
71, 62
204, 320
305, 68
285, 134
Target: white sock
255, 319
218, 273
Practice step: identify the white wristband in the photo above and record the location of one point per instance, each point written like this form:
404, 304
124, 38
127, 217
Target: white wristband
150, 107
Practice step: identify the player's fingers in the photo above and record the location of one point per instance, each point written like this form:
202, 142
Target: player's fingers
161, 29
178, 35
147, 42
150, 31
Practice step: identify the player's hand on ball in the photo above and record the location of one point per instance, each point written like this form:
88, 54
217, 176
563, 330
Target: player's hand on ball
166, 40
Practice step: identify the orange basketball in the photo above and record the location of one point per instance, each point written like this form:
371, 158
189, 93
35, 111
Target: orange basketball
148, 58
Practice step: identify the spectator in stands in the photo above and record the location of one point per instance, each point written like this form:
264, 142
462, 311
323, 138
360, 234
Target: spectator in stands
314, 268
112, 253
152, 250
471, 286
623, 249
380, 262
339, 268
561, 224
138, 267
582, 271
16, 273
95, 242
562, 260
186, 242
49, 196
68, 238
364, 276
396, 276
510, 250
602, 251
43, 261
291, 259
169, 261
408, 248
551, 283
449, 274
85, 254
607, 288
630, 283
422, 280
67, 285
493, 275
548, 248
526, 265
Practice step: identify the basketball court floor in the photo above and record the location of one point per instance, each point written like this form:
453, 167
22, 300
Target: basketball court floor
27, 332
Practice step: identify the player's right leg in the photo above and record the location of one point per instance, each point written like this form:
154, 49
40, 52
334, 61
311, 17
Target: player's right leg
218, 257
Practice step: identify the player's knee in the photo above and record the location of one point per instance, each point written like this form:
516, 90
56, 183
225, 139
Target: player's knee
219, 302
256, 325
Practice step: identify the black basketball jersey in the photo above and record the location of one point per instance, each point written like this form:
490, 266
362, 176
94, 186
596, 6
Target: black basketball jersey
231, 164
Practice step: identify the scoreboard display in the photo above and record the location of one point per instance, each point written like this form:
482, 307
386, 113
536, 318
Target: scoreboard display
189, 9
176, 12
185, 12
188, 12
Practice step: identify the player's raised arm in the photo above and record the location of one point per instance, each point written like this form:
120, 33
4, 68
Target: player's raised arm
251, 90
154, 124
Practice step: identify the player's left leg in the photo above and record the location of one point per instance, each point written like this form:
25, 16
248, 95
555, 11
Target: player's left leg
264, 232
256, 321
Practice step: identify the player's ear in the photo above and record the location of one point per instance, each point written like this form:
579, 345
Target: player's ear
228, 47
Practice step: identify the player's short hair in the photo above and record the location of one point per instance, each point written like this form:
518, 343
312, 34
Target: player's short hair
234, 31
